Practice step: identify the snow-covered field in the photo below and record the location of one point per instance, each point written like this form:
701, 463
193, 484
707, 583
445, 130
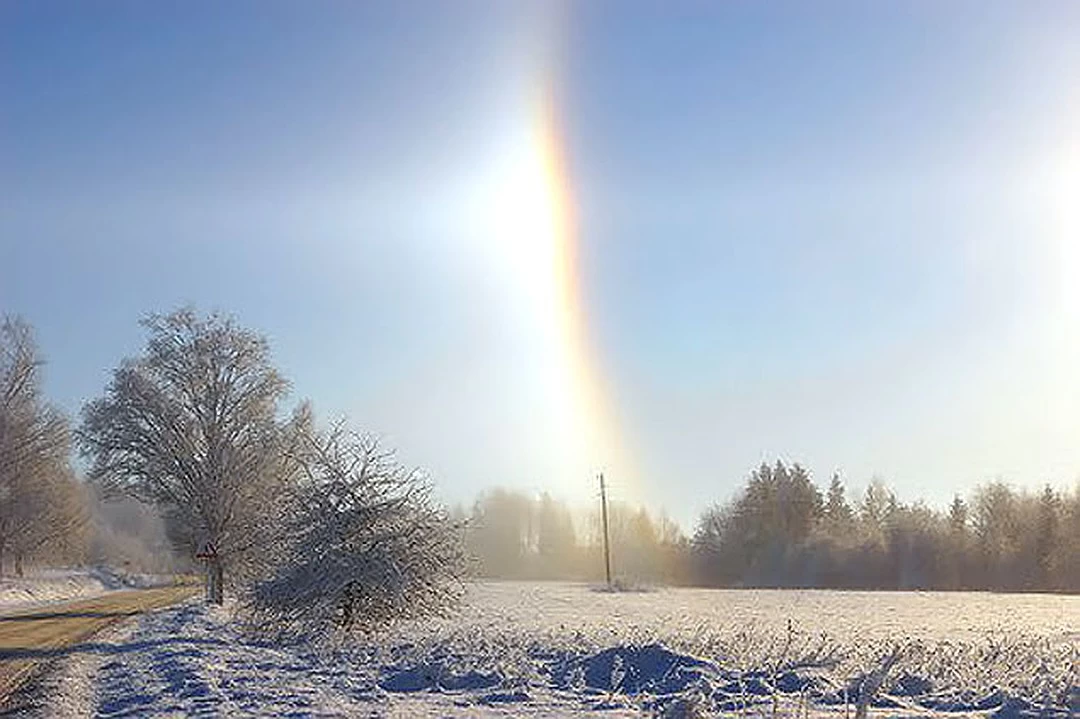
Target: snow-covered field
52, 585
552, 649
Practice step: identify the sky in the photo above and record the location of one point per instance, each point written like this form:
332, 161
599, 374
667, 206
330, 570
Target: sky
523, 243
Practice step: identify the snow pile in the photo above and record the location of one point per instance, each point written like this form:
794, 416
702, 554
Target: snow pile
50, 585
651, 669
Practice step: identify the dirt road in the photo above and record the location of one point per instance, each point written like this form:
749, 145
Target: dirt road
32, 637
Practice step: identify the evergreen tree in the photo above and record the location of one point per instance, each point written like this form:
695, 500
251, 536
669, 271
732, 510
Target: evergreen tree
837, 510
1046, 538
958, 515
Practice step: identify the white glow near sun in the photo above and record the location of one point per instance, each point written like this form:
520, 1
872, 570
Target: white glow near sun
524, 229
1065, 204
515, 224
518, 210
1058, 200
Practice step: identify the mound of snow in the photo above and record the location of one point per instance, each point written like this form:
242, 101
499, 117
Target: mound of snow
651, 669
437, 678
52, 585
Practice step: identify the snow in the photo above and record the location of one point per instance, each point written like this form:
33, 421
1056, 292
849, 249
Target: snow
536, 649
52, 585
191, 661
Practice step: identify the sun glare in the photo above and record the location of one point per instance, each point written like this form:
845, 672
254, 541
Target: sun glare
521, 236
525, 231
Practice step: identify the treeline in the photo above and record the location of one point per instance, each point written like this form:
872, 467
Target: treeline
513, 535
782, 531
43, 509
47, 515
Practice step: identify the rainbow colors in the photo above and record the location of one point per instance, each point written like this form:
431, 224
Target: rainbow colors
593, 429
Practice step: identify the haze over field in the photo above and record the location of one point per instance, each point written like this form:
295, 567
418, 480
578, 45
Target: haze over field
526, 243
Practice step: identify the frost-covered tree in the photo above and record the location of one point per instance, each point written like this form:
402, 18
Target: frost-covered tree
363, 543
190, 426
1046, 536
837, 510
876, 503
556, 540
501, 533
996, 528
42, 510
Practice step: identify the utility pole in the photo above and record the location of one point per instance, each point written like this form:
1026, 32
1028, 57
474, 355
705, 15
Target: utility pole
603, 515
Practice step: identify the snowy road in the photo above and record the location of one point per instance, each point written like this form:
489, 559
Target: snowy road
31, 636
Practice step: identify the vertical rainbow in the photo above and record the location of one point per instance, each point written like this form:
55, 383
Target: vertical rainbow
596, 428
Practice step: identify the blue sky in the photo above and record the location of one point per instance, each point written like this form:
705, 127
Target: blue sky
838, 233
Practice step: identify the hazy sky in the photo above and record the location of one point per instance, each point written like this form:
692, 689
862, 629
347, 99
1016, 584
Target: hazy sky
839, 233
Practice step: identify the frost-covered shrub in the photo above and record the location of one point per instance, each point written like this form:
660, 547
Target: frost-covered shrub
363, 543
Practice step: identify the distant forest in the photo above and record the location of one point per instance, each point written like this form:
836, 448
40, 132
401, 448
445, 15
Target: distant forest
781, 530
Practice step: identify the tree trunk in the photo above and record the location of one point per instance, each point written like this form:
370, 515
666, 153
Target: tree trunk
18, 565
215, 579
1, 558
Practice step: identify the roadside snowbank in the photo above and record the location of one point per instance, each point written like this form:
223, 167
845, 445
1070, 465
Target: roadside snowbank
52, 585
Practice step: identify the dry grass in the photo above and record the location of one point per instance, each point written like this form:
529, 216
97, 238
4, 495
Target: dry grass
31, 637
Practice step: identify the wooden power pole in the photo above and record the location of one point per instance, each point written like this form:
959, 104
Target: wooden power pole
603, 515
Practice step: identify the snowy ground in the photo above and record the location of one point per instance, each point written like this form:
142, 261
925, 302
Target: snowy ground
52, 585
521, 649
